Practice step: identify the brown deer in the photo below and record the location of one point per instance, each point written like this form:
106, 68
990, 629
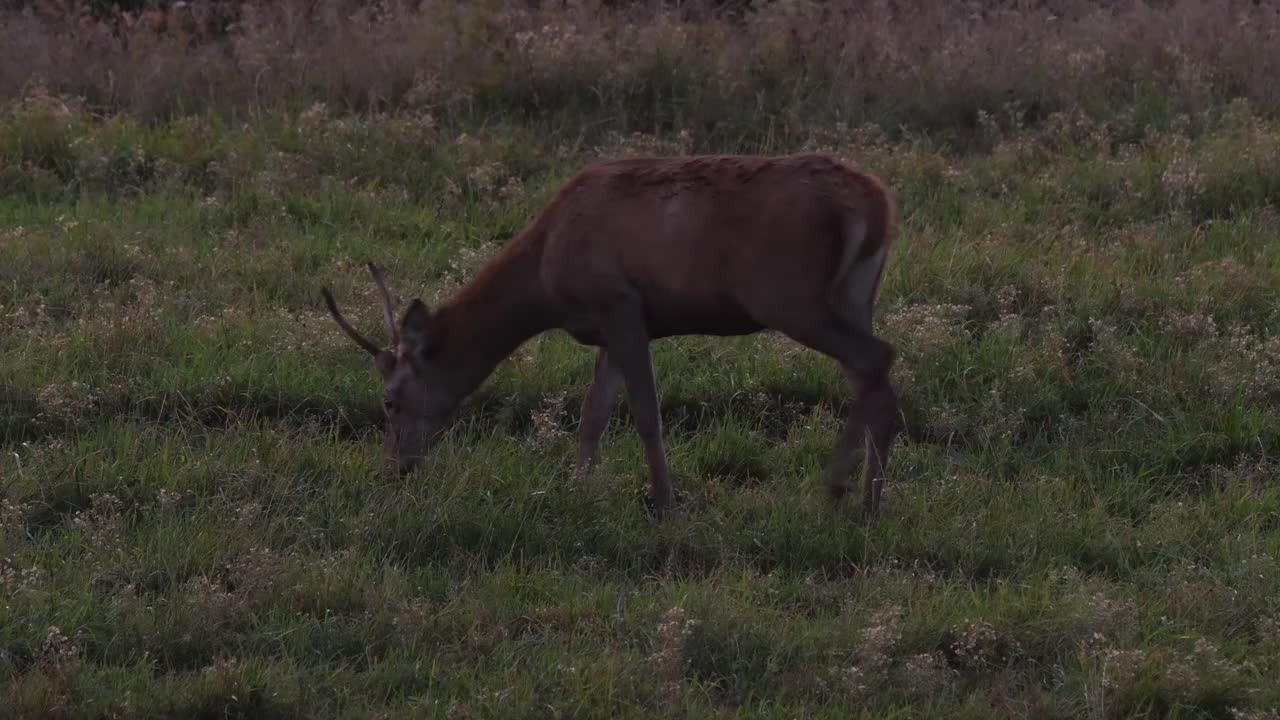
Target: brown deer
630, 251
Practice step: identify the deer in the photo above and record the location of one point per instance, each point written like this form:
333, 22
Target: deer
629, 251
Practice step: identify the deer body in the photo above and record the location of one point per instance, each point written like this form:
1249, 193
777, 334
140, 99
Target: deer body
630, 251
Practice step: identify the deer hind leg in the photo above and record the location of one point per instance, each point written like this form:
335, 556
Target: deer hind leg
873, 420
873, 416
594, 417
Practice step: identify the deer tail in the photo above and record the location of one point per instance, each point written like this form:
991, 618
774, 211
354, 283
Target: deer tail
856, 282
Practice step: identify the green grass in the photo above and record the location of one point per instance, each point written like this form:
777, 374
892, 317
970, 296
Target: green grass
1082, 517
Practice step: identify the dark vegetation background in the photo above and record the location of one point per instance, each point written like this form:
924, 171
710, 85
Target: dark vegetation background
736, 74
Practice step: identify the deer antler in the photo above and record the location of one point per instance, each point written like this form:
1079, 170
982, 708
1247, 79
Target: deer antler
351, 332
388, 313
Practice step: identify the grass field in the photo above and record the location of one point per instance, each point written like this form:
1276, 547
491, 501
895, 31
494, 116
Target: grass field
1082, 515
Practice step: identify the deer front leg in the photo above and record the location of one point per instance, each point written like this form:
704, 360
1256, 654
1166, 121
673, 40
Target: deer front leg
629, 350
594, 417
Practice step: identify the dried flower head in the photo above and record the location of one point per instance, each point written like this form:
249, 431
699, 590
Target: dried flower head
670, 658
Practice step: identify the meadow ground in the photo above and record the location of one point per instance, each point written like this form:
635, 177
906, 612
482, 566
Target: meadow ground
1082, 515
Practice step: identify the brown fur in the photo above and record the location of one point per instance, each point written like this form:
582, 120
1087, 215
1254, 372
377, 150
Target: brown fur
629, 251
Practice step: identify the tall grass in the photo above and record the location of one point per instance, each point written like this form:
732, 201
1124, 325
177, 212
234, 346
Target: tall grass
748, 75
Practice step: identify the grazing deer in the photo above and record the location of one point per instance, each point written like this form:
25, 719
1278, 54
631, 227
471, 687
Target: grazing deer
629, 251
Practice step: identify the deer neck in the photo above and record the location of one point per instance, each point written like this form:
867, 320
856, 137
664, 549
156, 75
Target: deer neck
503, 306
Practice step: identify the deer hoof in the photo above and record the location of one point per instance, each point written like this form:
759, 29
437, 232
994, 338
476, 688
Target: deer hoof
655, 509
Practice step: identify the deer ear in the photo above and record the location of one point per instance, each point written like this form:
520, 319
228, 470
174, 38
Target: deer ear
415, 327
385, 362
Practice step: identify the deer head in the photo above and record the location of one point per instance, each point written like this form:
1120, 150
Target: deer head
417, 398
